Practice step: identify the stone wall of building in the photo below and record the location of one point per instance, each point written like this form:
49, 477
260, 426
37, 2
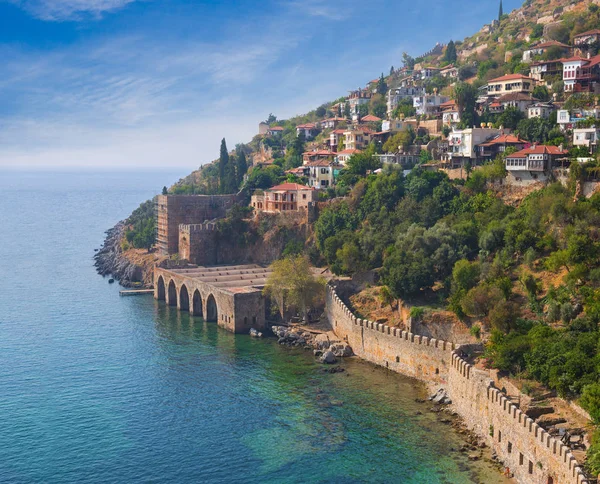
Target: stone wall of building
198, 243
531, 454
174, 210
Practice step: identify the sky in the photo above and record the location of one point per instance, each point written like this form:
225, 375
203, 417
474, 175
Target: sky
157, 84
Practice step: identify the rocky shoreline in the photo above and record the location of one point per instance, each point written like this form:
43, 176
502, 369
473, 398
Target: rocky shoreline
109, 260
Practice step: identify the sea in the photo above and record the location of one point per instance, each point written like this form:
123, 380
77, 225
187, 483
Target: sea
98, 388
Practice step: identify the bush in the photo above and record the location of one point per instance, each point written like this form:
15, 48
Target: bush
475, 331
417, 313
480, 300
590, 401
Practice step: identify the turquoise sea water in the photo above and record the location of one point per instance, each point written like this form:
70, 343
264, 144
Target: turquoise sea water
98, 388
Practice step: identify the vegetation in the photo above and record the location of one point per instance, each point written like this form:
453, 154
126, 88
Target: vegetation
141, 230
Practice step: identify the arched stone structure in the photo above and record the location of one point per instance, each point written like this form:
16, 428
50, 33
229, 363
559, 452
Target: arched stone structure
196, 308
184, 298
172, 294
160, 287
212, 312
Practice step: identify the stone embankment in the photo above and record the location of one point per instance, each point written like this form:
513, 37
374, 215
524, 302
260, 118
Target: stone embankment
528, 451
110, 260
322, 345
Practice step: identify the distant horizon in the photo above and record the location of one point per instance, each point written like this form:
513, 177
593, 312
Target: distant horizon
122, 84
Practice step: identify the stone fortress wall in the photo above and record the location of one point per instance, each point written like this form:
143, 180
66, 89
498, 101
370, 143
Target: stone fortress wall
531, 454
197, 243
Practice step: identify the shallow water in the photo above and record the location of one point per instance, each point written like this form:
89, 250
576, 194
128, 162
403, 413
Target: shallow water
98, 388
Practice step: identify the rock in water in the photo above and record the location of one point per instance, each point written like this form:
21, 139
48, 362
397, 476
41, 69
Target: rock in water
328, 358
255, 333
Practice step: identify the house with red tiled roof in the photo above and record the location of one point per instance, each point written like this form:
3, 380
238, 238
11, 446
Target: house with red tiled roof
369, 118
450, 112
510, 83
488, 150
344, 155
335, 137
546, 71
585, 40
317, 155
309, 130
357, 137
542, 47
275, 131
517, 100
323, 173
332, 123
533, 164
581, 74
287, 197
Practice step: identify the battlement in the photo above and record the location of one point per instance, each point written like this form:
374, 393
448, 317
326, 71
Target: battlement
192, 228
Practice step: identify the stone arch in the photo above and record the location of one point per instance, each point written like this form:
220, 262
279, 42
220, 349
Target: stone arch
160, 287
197, 303
172, 294
184, 298
212, 312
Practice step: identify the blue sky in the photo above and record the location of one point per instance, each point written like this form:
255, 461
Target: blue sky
155, 83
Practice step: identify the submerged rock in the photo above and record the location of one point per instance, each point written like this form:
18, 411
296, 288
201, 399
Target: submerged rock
328, 358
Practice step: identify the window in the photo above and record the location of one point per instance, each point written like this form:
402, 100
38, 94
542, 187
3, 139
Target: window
304, 196
509, 447
530, 467
520, 459
499, 436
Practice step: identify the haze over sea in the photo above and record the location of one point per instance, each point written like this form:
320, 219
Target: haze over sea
98, 388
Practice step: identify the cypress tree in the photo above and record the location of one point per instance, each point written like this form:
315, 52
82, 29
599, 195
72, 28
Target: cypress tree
450, 55
500, 11
381, 86
241, 165
223, 165
347, 110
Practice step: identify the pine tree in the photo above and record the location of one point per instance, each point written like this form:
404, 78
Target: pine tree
392, 71
339, 110
500, 12
347, 110
223, 165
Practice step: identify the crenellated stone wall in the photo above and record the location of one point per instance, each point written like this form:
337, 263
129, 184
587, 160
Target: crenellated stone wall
531, 454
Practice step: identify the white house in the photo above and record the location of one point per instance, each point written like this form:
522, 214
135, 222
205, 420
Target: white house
344, 155
450, 113
540, 110
428, 103
516, 100
462, 143
308, 130
322, 173
587, 137
533, 164
394, 96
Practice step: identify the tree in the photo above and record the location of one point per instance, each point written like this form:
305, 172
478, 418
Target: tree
241, 164
590, 400
500, 12
223, 165
465, 96
392, 71
381, 85
347, 110
293, 285
510, 118
321, 111
271, 119
408, 61
165, 191
400, 141
450, 54
541, 93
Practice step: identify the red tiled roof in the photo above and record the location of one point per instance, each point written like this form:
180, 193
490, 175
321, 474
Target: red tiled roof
296, 171
306, 126
339, 131
334, 119
349, 152
320, 163
538, 150
589, 32
290, 186
275, 128
369, 118
504, 139
550, 43
573, 59
516, 96
319, 153
511, 77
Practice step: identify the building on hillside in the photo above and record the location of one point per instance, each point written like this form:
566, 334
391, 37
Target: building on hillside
396, 125
427, 73
358, 97
428, 104
582, 42
275, 131
369, 118
569, 119
344, 155
581, 75
540, 110
462, 145
405, 159
309, 130
335, 137
287, 197
317, 155
516, 100
489, 149
449, 71
510, 83
357, 138
546, 72
394, 96
450, 113
533, 164
587, 137
541, 48
323, 174
332, 123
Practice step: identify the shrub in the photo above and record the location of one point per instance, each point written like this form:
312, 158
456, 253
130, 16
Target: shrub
417, 313
480, 300
475, 331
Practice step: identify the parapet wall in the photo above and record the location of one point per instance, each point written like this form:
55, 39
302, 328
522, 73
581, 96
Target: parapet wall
531, 454
198, 243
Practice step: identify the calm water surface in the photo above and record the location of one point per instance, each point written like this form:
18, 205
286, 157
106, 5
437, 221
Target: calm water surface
98, 388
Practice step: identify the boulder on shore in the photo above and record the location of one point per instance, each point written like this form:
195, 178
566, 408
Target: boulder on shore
328, 358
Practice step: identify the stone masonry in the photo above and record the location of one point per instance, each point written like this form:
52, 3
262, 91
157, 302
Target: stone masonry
531, 454
229, 295
174, 210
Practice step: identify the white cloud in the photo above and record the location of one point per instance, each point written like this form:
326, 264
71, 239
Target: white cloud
321, 8
64, 10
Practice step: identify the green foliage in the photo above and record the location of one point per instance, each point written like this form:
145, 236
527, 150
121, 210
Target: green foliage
450, 54
475, 331
265, 177
141, 232
417, 313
